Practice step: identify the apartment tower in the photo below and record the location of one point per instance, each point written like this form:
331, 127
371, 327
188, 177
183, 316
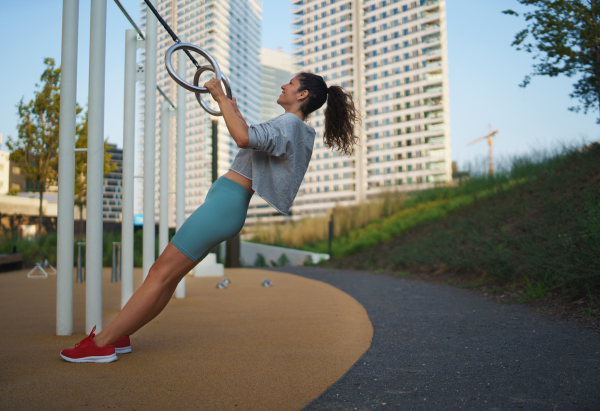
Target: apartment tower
392, 56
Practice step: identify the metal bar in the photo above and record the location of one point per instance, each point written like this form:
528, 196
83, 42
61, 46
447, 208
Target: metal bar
163, 220
95, 167
113, 274
162, 93
330, 234
140, 33
80, 277
215, 168
66, 178
232, 253
149, 143
119, 265
131, 46
215, 149
168, 29
78, 150
180, 171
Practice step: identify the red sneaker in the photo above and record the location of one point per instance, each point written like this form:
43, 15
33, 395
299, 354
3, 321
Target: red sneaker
123, 345
87, 351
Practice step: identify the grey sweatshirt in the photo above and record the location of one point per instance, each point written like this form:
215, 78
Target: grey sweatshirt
276, 159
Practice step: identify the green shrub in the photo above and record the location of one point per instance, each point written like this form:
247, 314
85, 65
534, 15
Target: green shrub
260, 261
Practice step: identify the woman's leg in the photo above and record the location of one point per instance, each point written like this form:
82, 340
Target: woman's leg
150, 299
160, 305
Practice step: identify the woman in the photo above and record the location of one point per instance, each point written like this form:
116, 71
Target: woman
273, 159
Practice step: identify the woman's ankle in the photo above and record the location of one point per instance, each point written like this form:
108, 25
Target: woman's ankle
100, 341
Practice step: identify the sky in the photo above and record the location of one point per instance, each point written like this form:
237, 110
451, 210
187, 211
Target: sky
484, 74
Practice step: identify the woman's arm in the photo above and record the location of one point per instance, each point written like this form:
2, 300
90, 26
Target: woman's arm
237, 110
235, 124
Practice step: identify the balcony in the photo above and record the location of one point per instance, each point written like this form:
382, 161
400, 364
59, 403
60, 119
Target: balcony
432, 26
433, 64
433, 39
435, 76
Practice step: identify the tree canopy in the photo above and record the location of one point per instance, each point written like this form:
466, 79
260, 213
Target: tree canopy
35, 150
564, 37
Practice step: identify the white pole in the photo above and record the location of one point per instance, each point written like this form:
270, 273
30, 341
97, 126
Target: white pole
180, 177
66, 160
95, 168
163, 222
148, 256
128, 167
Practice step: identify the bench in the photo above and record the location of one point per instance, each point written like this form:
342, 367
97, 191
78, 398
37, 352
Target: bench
11, 262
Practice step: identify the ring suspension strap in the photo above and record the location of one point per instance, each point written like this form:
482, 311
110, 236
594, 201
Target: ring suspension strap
186, 47
168, 29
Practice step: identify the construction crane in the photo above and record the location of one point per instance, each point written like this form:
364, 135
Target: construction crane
491, 148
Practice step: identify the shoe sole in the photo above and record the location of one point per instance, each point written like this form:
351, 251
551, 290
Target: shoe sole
100, 359
123, 350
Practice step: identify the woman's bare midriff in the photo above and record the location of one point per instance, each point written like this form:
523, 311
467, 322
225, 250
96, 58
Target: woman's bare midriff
240, 179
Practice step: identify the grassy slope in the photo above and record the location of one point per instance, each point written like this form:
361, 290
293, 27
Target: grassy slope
538, 224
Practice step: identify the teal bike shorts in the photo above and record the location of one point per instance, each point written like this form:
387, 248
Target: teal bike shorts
220, 217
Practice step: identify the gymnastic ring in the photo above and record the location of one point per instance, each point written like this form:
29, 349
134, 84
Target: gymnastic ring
225, 81
196, 49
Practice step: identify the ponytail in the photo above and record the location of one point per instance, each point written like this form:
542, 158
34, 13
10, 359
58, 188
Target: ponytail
340, 113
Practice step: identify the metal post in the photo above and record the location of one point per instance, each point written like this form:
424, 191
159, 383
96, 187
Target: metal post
180, 176
330, 233
215, 150
490, 152
95, 167
163, 219
120, 260
131, 46
66, 178
148, 256
232, 253
113, 273
116, 262
215, 166
80, 275
491, 156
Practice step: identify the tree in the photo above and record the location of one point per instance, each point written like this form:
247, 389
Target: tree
81, 169
565, 41
35, 150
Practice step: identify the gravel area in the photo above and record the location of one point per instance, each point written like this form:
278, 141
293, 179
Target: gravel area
437, 347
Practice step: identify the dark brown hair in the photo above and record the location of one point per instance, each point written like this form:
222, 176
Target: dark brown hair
340, 113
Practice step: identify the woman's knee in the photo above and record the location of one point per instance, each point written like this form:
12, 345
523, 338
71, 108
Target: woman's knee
158, 275
170, 267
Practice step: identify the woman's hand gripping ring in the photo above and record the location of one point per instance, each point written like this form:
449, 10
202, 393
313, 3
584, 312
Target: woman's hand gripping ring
225, 81
214, 67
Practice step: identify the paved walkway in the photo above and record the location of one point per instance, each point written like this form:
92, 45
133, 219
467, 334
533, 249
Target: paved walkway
436, 347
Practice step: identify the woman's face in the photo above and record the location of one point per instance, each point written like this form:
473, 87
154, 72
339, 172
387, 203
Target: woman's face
289, 93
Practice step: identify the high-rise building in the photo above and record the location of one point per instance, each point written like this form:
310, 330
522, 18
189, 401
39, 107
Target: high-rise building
230, 31
392, 56
277, 68
112, 193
